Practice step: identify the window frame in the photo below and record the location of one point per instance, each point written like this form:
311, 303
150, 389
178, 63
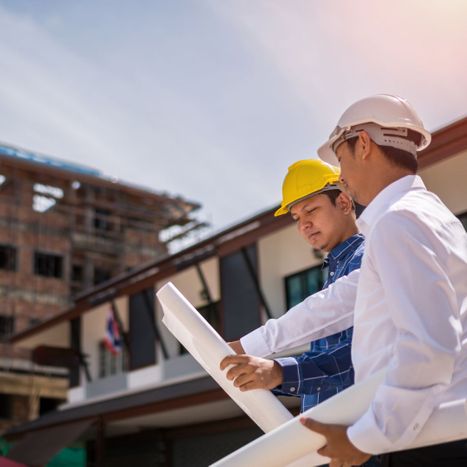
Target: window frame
7, 326
111, 364
11, 253
302, 275
45, 254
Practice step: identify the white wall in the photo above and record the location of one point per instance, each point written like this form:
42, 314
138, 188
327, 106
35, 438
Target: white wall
58, 335
448, 179
280, 254
189, 284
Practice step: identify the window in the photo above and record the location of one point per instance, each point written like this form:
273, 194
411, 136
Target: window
48, 404
48, 265
8, 257
463, 219
7, 326
6, 402
101, 275
102, 219
77, 273
34, 322
111, 363
303, 284
46, 197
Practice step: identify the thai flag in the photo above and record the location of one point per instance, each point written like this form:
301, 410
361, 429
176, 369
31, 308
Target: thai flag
112, 338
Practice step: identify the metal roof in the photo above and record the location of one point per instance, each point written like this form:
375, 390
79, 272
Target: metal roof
47, 160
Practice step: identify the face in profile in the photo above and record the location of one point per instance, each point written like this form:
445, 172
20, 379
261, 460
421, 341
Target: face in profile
321, 223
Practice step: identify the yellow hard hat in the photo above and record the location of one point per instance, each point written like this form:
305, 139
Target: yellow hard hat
304, 179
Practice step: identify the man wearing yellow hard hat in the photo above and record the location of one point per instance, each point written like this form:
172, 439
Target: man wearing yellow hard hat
325, 218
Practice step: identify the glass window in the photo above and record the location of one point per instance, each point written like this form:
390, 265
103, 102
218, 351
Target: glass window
8, 257
111, 363
48, 265
102, 219
303, 284
7, 326
101, 275
6, 404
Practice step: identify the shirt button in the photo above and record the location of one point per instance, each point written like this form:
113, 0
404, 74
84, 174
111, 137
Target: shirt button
318, 389
416, 427
292, 389
331, 273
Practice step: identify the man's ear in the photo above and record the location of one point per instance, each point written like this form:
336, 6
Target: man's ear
364, 143
344, 203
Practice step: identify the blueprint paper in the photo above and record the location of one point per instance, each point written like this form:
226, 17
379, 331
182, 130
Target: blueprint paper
447, 423
269, 450
208, 348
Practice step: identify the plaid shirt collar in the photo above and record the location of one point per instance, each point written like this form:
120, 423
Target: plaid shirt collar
339, 251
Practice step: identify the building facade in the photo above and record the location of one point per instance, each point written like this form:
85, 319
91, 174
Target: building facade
151, 404
63, 229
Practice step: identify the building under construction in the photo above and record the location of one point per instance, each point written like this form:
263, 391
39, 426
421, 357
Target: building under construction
159, 407
64, 228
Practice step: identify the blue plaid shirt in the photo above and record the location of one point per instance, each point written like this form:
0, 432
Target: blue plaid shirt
327, 368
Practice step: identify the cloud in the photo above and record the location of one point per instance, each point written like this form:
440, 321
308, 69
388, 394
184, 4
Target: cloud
213, 100
185, 114
335, 52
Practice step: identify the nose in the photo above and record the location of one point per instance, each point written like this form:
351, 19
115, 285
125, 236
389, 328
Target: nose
304, 225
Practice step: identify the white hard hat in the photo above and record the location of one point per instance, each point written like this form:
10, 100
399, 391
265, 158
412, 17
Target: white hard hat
387, 120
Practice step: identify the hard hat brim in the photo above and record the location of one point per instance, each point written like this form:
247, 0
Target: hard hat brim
326, 153
286, 209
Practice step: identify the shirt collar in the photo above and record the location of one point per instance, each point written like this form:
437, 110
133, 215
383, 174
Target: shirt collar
389, 195
343, 247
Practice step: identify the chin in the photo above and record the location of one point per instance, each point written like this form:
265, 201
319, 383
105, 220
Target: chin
314, 243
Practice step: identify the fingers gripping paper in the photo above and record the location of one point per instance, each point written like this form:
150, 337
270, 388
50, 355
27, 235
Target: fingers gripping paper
208, 348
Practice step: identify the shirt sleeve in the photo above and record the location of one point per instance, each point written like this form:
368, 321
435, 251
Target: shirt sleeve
313, 372
422, 307
322, 314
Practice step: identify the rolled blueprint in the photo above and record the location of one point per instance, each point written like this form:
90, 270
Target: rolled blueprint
208, 348
292, 441
288, 444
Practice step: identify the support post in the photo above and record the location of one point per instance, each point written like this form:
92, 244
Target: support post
255, 280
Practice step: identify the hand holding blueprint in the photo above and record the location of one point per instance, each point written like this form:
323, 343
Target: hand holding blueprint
208, 348
287, 442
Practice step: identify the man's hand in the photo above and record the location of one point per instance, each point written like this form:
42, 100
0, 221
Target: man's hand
252, 372
338, 446
236, 346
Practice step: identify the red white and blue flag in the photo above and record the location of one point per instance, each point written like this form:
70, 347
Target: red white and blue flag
112, 338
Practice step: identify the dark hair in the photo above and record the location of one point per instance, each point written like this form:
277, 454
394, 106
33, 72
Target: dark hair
333, 195
397, 157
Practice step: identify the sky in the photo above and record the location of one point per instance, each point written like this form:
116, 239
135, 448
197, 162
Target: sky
214, 99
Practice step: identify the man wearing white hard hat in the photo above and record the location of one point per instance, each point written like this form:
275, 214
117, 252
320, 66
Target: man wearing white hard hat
411, 304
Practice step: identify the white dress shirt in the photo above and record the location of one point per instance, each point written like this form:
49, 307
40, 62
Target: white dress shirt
410, 313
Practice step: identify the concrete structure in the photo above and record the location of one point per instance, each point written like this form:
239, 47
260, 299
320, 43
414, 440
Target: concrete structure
153, 405
64, 228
